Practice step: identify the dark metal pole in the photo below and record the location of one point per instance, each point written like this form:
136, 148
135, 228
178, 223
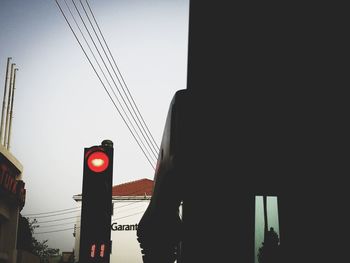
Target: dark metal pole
265, 216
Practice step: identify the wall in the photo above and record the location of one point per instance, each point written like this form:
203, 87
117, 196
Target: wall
26, 257
12, 197
125, 247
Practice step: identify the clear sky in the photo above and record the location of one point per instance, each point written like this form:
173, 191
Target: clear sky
60, 106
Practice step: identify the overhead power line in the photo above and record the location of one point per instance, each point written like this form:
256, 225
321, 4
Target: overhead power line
51, 212
58, 212
72, 228
128, 94
109, 95
53, 231
51, 215
54, 225
133, 114
55, 220
69, 223
110, 75
127, 106
65, 218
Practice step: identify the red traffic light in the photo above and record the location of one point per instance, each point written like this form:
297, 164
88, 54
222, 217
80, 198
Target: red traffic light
98, 161
93, 251
102, 250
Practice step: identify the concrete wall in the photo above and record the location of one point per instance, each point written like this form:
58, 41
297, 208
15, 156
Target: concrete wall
26, 257
125, 247
8, 231
12, 169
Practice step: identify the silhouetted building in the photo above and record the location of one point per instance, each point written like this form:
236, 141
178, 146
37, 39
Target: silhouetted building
12, 198
266, 116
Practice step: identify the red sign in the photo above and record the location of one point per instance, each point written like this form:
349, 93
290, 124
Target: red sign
9, 185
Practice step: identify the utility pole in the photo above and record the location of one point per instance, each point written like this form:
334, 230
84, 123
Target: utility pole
265, 217
8, 104
11, 109
4, 98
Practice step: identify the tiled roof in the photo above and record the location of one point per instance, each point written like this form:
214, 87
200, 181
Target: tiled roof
140, 187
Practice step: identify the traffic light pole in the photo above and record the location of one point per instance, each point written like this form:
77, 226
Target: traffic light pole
96, 212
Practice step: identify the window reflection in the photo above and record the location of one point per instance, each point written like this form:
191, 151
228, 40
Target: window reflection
266, 229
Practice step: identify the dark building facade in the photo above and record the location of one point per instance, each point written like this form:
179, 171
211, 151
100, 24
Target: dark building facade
12, 199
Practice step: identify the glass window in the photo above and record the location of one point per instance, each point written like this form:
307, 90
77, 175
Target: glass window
266, 229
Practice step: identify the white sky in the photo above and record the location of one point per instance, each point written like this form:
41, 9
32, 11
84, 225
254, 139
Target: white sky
60, 106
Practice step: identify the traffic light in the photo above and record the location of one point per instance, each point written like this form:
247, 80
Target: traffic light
96, 210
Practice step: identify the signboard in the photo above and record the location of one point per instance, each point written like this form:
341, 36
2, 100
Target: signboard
9, 185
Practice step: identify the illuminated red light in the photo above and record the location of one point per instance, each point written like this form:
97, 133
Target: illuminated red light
102, 250
98, 162
93, 250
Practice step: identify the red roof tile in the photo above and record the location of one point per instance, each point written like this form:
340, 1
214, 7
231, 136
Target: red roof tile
135, 188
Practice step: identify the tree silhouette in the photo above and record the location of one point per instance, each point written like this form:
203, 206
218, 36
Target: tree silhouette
269, 252
26, 240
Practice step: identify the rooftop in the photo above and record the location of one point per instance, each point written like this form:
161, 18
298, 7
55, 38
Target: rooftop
131, 190
142, 187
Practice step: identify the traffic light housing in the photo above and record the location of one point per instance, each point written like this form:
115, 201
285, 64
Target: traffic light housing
96, 210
